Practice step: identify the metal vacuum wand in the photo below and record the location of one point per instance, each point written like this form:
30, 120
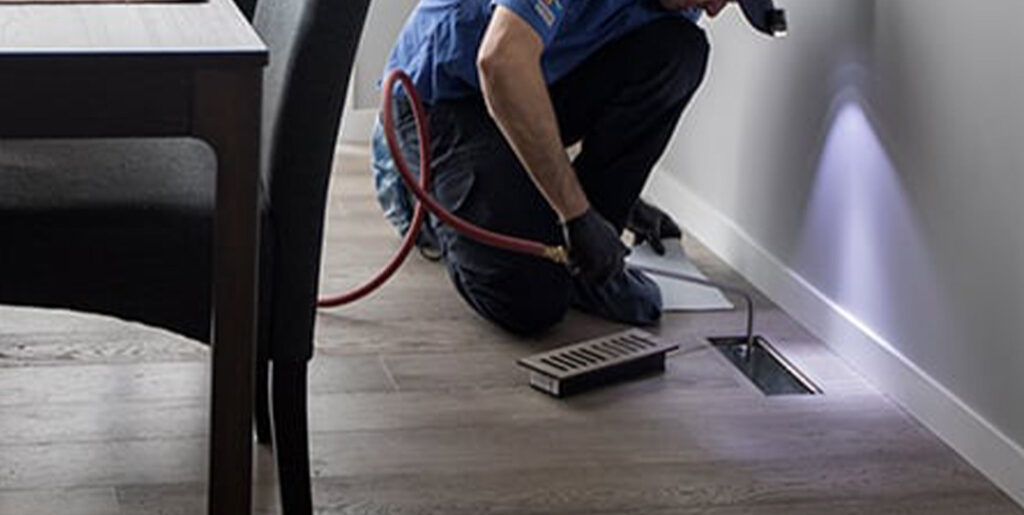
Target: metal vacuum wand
765, 17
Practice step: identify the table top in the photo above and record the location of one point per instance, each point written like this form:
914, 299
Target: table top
200, 29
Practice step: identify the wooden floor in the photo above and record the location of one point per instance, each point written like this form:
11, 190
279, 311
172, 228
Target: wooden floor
417, 407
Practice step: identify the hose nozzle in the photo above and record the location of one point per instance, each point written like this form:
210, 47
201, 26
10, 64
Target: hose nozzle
557, 254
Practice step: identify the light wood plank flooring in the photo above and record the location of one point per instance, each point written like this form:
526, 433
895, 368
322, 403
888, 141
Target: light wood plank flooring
418, 408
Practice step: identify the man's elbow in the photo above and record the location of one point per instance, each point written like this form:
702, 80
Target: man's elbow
509, 49
494, 70
491, 66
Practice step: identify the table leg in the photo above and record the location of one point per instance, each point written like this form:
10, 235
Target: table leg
227, 116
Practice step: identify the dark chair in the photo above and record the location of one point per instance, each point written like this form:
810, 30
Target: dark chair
122, 227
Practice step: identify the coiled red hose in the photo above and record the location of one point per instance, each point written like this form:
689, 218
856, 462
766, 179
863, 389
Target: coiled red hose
426, 202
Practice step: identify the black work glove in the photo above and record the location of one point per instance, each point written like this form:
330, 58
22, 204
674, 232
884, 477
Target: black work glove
648, 223
595, 249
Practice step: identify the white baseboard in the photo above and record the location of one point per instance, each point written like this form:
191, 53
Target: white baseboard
357, 125
940, 410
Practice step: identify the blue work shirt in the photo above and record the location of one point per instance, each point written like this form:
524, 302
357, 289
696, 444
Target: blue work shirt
439, 43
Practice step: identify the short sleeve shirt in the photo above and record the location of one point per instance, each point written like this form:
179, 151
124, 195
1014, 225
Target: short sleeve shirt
439, 43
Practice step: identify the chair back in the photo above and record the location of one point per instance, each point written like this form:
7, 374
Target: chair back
312, 49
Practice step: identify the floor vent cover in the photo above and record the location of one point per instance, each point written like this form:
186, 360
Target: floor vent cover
768, 369
597, 362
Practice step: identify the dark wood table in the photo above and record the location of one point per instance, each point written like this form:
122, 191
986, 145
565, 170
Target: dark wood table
162, 70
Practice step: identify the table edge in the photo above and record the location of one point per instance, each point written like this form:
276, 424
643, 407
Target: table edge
105, 57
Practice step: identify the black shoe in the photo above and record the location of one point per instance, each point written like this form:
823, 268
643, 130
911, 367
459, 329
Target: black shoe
650, 224
427, 244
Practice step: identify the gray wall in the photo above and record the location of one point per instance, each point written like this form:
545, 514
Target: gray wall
878, 153
383, 24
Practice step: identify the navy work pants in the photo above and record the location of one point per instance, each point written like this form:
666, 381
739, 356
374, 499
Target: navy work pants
623, 105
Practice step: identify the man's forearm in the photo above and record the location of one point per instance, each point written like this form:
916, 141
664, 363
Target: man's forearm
518, 100
522, 109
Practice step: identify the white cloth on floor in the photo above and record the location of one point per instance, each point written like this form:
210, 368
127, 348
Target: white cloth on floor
679, 295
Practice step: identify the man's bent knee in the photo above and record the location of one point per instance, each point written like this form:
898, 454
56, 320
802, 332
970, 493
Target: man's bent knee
523, 295
691, 63
527, 315
682, 53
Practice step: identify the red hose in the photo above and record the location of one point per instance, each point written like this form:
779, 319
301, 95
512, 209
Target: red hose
426, 202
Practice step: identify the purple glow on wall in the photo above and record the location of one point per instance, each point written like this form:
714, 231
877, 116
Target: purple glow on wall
860, 244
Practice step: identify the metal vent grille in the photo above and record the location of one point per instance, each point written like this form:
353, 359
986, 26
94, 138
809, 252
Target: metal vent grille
596, 362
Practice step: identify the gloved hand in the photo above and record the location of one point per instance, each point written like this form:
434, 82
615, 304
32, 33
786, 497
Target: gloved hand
648, 223
595, 249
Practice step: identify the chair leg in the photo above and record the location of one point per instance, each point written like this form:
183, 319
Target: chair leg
291, 437
264, 433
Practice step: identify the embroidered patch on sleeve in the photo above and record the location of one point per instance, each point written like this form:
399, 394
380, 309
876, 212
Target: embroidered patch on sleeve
549, 10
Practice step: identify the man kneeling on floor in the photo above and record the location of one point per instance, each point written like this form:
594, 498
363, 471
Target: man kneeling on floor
508, 85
